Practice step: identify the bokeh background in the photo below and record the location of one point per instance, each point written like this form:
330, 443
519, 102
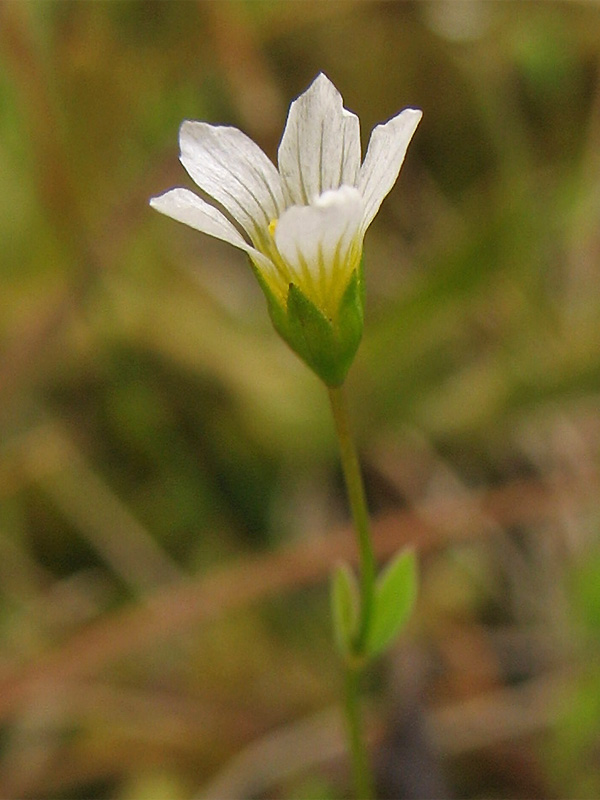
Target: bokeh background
170, 496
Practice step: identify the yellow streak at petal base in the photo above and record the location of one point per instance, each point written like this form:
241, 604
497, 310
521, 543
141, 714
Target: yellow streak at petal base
324, 283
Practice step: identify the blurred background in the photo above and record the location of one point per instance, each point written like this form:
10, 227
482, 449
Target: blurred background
170, 495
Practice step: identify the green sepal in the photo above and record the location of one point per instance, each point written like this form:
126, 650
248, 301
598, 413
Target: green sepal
327, 346
344, 607
276, 310
311, 334
395, 594
351, 317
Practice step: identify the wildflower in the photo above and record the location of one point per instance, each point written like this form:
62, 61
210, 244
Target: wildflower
303, 224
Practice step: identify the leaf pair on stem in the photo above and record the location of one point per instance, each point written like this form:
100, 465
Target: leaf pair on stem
394, 596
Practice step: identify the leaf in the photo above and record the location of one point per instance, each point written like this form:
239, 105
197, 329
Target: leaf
344, 604
395, 595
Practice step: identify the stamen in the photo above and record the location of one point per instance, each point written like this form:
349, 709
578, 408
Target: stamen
272, 226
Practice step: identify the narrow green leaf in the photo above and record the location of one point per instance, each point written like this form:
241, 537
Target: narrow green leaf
395, 595
344, 604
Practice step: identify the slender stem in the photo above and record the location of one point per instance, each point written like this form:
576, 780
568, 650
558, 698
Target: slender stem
360, 514
361, 770
356, 495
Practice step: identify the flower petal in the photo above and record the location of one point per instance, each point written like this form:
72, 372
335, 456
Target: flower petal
235, 172
321, 244
385, 154
320, 146
185, 206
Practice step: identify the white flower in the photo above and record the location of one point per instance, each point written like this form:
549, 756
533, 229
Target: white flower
302, 223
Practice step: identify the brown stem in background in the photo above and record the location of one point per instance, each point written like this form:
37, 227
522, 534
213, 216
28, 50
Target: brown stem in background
177, 608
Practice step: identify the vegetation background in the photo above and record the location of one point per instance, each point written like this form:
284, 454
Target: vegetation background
170, 496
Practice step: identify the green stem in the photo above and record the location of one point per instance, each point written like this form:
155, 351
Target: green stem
360, 514
361, 770
356, 495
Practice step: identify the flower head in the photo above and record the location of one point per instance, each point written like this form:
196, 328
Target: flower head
302, 224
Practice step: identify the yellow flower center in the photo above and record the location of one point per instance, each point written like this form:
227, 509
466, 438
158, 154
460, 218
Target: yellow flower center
272, 226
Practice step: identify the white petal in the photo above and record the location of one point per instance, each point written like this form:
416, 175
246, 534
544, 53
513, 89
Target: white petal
321, 242
385, 154
320, 147
184, 206
235, 172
